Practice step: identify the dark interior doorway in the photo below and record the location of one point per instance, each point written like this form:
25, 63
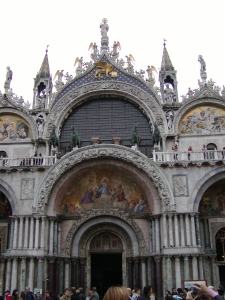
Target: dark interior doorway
106, 271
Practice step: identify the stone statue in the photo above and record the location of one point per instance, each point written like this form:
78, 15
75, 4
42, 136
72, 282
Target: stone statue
223, 91
130, 67
41, 99
79, 69
115, 53
203, 74
104, 27
135, 136
170, 117
75, 140
40, 125
169, 94
20, 101
156, 135
68, 77
190, 93
8, 79
95, 53
53, 137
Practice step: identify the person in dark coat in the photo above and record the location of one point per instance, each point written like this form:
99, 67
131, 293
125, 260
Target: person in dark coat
74, 295
29, 294
146, 293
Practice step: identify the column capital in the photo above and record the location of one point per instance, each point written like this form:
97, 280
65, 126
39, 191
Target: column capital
26, 217
51, 259
143, 259
186, 257
74, 260
204, 258
52, 219
82, 260
194, 256
157, 258
170, 215
37, 217
9, 258
192, 214
136, 260
3, 259
40, 259
23, 257
177, 257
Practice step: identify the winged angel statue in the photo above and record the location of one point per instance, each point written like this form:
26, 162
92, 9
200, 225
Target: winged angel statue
104, 68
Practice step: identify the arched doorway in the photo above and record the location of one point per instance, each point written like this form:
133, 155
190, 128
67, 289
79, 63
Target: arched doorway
106, 261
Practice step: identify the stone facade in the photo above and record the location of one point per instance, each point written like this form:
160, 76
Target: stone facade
60, 208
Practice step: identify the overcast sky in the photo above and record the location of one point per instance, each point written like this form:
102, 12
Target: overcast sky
190, 27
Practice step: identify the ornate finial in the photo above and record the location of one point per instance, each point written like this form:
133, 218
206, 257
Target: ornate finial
47, 49
164, 44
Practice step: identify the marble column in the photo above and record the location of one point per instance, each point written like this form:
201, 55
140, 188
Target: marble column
36, 243
40, 273
201, 273
143, 272
198, 231
193, 232
170, 224
153, 272
130, 273
23, 274
194, 268
31, 238
25, 245
149, 270
165, 235
8, 274
61, 276
177, 271
169, 282
57, 264
47, 148
151, 237
43, 229
82, 279
2, 273
20, 243
31, 274
176, 229
51, 236
182, 235
14, 273
157, 236
188, 237
186, 268
11, 232
59, 237
158, 275
214, 271
15, 235
51, 273
207, 270
206, 228
136, 272
55, 244
75, 262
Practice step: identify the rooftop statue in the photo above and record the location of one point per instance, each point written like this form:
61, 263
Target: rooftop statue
8, 79
115, 47
135, 136
151, 77
203, 74
169, 94
75, 140
60, 75
79, 69
104, 27
130, 61
95, 52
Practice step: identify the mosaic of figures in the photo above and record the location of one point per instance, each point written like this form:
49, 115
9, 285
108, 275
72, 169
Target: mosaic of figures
203, 119
213, 201
14, 128
5, 207
104, 189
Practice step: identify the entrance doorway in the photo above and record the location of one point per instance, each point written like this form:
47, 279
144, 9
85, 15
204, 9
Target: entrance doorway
106, 271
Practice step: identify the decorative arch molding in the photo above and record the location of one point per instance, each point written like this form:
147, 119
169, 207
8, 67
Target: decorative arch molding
25, 117
194, 103
106, 219
7, 190
98, 228
146, 102
203, 184
214, 227
131, 156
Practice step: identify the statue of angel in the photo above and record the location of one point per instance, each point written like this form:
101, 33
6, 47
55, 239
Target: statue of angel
217, 89
80, 63
121, 63
68, 77
59, 74
211, 83
95, 52
150, 74
130, 61
115, 47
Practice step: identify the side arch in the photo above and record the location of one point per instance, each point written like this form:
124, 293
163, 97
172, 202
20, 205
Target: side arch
203, 184
7, 190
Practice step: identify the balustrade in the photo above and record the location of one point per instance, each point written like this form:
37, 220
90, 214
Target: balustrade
27, 161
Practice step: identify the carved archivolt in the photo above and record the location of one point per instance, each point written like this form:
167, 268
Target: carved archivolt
24, 116
193, 103
95, 152
145, 101
93, 231
105, 212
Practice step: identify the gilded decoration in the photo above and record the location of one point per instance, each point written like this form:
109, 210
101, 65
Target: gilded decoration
203, 120
104, 189
213, 200
14, 128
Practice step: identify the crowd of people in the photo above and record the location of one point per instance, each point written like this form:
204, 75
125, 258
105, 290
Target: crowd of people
197, 292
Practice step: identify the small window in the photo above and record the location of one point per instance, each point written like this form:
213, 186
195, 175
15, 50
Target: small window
211, 146
3, 154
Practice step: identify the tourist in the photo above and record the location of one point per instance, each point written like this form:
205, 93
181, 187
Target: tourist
22, 296
146, 293
81, 294
116, 293
189, 150
7, 295
74, 295
168, 295
175, 150
205, 293
48, 296
94, 295
136, 294
66, 295
223, 153
174, 291
129, 293
15, 294
205, 153
90, 293
29, 295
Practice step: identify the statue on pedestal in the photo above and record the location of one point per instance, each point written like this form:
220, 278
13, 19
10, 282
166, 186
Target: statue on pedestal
203, 74
169, 94
54, 140
8, 79
135, 136
75, 140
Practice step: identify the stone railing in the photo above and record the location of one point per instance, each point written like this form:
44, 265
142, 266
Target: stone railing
27, 161
209, 155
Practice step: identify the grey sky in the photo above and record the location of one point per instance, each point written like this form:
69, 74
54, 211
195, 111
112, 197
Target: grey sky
190, 27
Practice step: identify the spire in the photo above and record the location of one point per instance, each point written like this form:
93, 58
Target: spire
166, 61
44, 70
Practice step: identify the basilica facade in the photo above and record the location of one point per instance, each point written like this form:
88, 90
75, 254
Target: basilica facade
108, 179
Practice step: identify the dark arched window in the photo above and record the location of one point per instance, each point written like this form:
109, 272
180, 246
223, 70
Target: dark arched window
107, 118
220, 244
5, 207
3, 154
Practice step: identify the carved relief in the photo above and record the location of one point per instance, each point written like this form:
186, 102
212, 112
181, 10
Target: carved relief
3, 237
180, 185
113, 151
27, 188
